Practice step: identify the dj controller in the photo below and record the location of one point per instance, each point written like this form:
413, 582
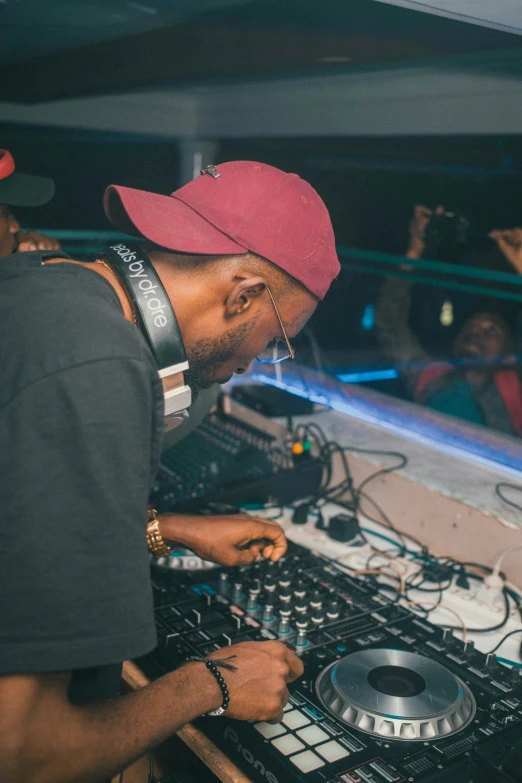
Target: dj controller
385, 697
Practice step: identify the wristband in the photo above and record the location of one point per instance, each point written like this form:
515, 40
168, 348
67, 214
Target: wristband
212, 666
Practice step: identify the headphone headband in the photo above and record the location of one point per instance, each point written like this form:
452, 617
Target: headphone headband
158, 321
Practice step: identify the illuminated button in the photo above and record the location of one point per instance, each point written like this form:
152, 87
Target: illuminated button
312, 735
295, 719
269, 730
307, 761
287, 744
313, 713
332, 751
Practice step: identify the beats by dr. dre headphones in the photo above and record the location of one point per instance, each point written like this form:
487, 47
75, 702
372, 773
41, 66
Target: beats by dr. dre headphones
158, 324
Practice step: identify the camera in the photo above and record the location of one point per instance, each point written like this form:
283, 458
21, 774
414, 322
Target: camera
447, 229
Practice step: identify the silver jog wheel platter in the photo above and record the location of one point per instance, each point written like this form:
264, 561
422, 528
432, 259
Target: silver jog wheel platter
396, 695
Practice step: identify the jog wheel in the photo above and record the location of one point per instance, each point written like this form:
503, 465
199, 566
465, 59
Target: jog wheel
396, 695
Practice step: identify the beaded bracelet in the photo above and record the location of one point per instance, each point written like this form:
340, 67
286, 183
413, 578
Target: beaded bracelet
212, 666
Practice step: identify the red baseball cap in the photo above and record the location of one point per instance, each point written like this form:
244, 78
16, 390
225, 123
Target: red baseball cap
236, 208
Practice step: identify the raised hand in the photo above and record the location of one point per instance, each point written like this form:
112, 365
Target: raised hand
510, 244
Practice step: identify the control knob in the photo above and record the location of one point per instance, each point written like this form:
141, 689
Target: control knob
315, 600
285, 596
301, 640
237, 592
333, 610
300, 589
252, 604
268, 614
284, 579
491, 661
270, 584
514, 677
318, 616
224, 583
284, 626
301, 607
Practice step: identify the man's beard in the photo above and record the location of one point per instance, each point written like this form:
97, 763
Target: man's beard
206, 357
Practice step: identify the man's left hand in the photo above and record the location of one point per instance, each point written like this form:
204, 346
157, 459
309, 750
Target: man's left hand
233, 540
31, 240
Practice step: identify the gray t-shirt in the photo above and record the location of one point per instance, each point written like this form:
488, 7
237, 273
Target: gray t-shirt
81, 424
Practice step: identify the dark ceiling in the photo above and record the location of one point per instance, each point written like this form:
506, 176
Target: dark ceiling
209, 40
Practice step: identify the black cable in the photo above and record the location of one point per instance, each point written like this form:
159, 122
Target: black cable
403, 461
507, 485
501, 642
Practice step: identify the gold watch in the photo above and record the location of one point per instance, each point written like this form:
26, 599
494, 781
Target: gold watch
155, 542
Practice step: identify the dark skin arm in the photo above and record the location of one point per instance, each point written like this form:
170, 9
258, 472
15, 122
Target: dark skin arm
394, 304
229, 540
45, 739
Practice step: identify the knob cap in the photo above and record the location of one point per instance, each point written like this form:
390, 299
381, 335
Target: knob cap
268, 614
491, 661
237, 592
301, 640
469, 650
333, 610
255, 587
284, 579
300, 589
270, 584
224, 584
315, 600
285, 596
284, 626
318, 616
252, 604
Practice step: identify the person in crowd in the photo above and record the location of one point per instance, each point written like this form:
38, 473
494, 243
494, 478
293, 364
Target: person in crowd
244, 252
480, 384
21, 190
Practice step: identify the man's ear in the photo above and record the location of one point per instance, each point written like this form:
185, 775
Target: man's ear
14, 225
243, 295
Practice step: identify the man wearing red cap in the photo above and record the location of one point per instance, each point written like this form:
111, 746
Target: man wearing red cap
21, 190
244, 253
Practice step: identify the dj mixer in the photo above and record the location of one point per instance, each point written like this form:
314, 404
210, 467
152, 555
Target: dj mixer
385, 697
233, 457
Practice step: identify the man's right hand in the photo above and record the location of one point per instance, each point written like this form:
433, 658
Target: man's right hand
418, 225
257, 688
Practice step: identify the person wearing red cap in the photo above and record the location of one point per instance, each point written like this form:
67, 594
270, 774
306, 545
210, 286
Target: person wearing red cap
21, 190
245, 252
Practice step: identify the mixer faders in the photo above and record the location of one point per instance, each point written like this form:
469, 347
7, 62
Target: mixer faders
385, 695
